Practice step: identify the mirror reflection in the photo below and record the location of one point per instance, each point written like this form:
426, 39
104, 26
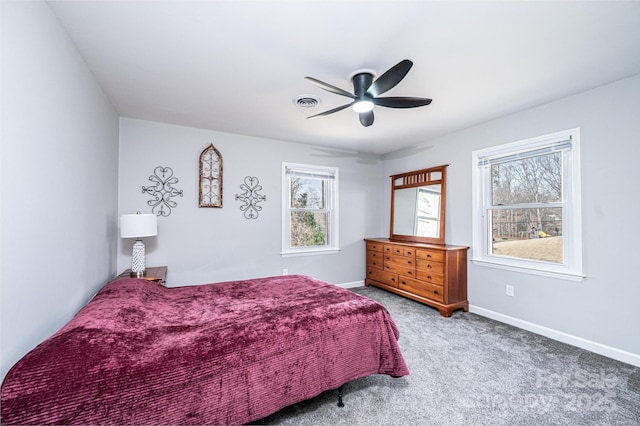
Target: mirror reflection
417, 211
418, 204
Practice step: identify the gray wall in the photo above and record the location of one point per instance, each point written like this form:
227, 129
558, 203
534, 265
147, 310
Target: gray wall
201, 245
58, 159
602, 309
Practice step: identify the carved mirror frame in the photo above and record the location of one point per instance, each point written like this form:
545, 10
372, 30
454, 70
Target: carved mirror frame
210, 191
417, 179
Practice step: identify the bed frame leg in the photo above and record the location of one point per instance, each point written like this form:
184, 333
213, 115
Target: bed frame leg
340, 403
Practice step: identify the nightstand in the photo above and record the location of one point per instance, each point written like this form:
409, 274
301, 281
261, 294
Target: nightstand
156, 274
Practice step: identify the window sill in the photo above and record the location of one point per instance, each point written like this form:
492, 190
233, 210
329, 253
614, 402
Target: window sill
310, 252
568, 276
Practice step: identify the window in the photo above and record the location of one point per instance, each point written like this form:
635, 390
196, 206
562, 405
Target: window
527, 206
309, 210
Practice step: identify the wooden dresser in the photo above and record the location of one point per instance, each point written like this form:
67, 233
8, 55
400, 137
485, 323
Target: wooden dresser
435, 275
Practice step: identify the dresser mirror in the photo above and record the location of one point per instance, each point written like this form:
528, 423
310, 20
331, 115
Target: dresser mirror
418, 205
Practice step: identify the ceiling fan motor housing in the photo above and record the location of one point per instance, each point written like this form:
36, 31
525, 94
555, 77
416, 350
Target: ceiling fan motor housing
361, 83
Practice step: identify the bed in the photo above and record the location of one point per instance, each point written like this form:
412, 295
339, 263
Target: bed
222, 353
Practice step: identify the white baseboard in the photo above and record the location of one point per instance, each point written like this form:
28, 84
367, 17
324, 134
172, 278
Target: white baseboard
599, 348
352, 284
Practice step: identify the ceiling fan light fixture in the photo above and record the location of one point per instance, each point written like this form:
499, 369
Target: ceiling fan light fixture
363, 105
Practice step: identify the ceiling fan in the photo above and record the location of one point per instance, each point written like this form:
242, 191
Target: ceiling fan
366, 92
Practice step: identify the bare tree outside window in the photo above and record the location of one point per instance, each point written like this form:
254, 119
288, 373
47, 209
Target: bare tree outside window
526, 214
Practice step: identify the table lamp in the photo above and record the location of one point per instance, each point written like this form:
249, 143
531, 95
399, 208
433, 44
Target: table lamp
138, 226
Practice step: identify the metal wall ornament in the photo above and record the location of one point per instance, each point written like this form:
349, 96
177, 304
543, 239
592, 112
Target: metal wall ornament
162, 191
210, 192
251, 197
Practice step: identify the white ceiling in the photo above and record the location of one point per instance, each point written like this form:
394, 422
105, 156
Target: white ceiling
235, 66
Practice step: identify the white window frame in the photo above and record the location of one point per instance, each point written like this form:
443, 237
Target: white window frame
331, 173
571, 268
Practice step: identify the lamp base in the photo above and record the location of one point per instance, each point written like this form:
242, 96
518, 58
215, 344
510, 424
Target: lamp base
138, 274
138, 261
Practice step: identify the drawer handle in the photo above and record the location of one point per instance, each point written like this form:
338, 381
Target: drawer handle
393, 279
404, 283
374, 263
435, 291
409, 272
428, 276
429, 266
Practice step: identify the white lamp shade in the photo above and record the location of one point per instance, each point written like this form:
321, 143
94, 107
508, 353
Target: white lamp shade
138, 225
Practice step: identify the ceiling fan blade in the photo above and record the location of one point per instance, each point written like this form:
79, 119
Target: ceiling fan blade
366, 118
330, 88
401, 102
331, 111
389, 79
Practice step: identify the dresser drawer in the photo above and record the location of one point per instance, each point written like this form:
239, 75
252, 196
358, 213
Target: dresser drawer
383, 277
394, 249
399, 250
409, 252
430, 276
400, 264
432, 255
375, 259
421, 288
429, 266
399, 260
373, 246
401, 269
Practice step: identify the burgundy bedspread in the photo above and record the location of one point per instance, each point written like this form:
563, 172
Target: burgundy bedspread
225, 353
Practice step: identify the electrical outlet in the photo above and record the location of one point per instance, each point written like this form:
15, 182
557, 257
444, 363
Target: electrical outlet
510, 290
285, 272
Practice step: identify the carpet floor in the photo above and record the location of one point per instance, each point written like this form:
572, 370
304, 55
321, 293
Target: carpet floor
470, 370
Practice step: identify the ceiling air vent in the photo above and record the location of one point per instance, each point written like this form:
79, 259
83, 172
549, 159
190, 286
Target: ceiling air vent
306, 101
